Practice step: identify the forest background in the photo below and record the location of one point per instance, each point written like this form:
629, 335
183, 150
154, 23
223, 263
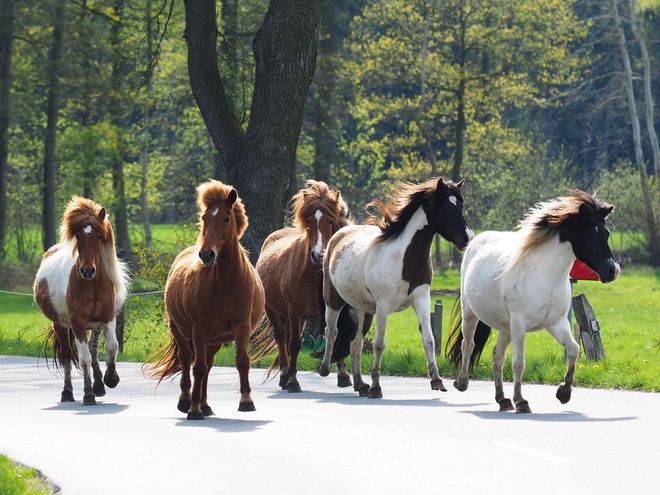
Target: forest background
116, 100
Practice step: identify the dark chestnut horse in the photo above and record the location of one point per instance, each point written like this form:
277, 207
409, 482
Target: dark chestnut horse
81, 285
213, 296
290, 267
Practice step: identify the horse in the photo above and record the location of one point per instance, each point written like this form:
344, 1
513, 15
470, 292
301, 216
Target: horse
213, 295
385, 266
80, 286
518, 282
290, 267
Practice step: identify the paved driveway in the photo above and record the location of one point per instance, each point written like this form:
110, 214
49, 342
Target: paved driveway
326, 440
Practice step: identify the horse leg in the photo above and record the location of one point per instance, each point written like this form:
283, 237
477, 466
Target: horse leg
111, 378
422, 306
364, 322
331, 317
97, 386
499, 354
85, 360
518, 365
200, 372
279, 332
343, 377
185, 356
211, 351
468, 328
382, 314
562, 333
295, 343
243, 366
64, 355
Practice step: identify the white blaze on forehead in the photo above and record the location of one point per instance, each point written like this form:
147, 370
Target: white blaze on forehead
88, 229
319, 238
215, 212
453, 200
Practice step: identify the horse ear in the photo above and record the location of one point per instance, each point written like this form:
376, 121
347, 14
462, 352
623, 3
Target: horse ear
232, 197
102, 213
460, 183
604, 212
441, 185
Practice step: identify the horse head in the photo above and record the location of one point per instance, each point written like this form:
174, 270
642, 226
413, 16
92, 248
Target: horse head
320, 227
589, 237
445, 213
218, 228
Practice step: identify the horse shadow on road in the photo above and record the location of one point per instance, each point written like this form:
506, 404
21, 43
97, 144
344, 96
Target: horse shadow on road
224, 425
101, 408
562, 417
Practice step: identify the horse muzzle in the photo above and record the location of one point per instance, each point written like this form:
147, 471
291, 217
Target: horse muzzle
87, 273
610, 273
317, 259
207, 257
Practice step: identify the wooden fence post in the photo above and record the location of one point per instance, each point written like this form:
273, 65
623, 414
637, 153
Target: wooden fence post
589, 328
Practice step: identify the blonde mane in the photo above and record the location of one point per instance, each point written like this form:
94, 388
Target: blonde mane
319, 196
215, 191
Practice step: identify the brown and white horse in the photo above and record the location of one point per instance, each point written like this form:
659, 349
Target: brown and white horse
80, 286
290, 267
213, 296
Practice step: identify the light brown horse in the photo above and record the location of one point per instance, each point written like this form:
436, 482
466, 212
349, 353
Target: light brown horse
81, 285
213, 296
290, 267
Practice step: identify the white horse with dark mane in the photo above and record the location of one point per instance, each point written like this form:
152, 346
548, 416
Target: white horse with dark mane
518, 282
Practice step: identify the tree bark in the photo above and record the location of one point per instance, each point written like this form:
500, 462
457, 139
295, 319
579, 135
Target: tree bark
6, 46
52, 116
285, 49
654, 244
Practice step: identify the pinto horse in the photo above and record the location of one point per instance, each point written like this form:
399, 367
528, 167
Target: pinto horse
517, 282
81, 285
383, 268
290, 267
213, 296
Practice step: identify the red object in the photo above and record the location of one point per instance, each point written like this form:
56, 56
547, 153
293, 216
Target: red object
580, 271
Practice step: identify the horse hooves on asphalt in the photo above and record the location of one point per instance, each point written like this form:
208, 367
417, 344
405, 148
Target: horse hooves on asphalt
563, 395
246, 407
207, 411
195, 416
293, 388
375, 393
98, 389
89, 400
344, 381
436, 384
184, 405
111, 380
506, 405
523, 407
67, 396
460, 386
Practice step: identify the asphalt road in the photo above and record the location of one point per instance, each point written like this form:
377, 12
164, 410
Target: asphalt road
326, 440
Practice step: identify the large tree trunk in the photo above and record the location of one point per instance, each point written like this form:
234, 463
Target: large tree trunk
6, 44
52, 116
115, 111
285, 50
654, 244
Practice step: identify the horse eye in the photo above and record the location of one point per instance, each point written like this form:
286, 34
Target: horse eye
227, 219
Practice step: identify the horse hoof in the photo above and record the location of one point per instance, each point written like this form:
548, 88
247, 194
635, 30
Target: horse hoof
195, 416
284, 379
523, 407
436, 384
293, 388
98, 389
184, 405
111, 380
89, 400
363, 389
67, 396
246, 407
344, 381
324, 370
563, 394
460, 386
375, 393
505, 405
207, 411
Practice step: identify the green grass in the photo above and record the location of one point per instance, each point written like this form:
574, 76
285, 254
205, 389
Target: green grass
18, 480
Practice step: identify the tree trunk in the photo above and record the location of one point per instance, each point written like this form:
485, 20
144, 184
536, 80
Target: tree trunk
115, 111
285, 49
52, 116
208, 89
648, 96
144, 176
6, 45
654, 244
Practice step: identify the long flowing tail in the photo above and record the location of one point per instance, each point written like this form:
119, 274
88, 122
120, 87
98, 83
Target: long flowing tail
346, 330
167, 364
262, 342
455, 341
52, 348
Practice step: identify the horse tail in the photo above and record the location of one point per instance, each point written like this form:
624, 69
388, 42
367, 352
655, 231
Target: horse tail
263, 343
52, 347
346, 330
167, 364
455, 340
